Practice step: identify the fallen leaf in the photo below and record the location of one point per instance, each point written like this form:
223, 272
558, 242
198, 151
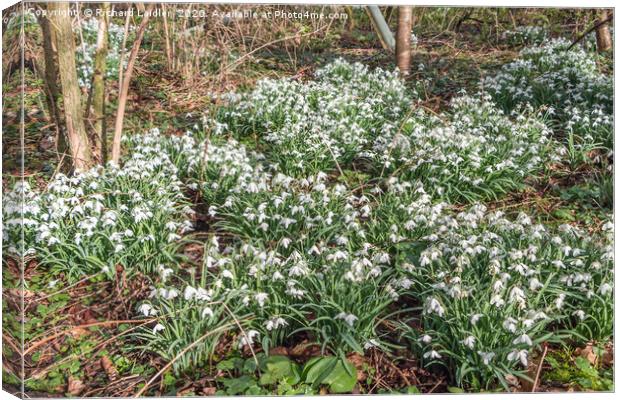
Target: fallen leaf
209, 391
278, 351
109, 368
74, 386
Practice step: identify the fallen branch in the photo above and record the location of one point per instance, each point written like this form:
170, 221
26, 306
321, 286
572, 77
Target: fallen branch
540, 364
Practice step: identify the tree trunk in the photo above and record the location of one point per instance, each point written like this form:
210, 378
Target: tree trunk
403, 39
124, 89
603, 37
51, 83
62, 34
98, 88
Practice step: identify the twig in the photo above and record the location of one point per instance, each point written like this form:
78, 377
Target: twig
231, 66
68, 331
540, 364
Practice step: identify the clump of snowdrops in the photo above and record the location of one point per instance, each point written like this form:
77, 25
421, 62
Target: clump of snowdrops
493, 288
320, 125
472, 152
525, 36
92, 221
568, 84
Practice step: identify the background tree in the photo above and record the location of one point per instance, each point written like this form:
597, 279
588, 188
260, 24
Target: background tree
96, 101
403, 39
124, 85
603, 36
62, 36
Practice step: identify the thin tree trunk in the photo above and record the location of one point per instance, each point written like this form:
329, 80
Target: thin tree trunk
403, 39
124, 89
603, 37
167, 39
60, 25
98, 87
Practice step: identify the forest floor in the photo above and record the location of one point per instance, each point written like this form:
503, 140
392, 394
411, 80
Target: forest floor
78, 337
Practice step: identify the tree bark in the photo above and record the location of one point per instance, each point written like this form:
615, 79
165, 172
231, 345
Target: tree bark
62, 34
403, 39
122, 96
603, 37
98, 88
51, 83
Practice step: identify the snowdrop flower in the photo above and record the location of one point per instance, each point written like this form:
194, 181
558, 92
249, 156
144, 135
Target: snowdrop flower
525, 339
426, 339
486, 356
275, 323
158, 328
348, 318
260, 298
605, 288
520, 355
469, 342
248, 338
580, 314
227, 274
510, 324
475, 318
207, 312
432, 355
147, 310
497, 301
433, 305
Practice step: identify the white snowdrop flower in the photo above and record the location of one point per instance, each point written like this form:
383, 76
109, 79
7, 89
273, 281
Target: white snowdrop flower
158, 328
52, 283
469, 342
580, 314
189, 293
432, 355
498, 286
207, 312
559, 301
535, 284
475, 318
520, 355
605, 288
426, 339
497, 301
285, 242
348, 318
525, 339
275, 323
370, 344
227, 274
510, 324
486, 356
248, 338
517, 296
261, 298
433, 305
147, 310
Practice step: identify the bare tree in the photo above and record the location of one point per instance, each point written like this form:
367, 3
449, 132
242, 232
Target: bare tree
97, 93
62, 36
124, 85
403, 39
603, 37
